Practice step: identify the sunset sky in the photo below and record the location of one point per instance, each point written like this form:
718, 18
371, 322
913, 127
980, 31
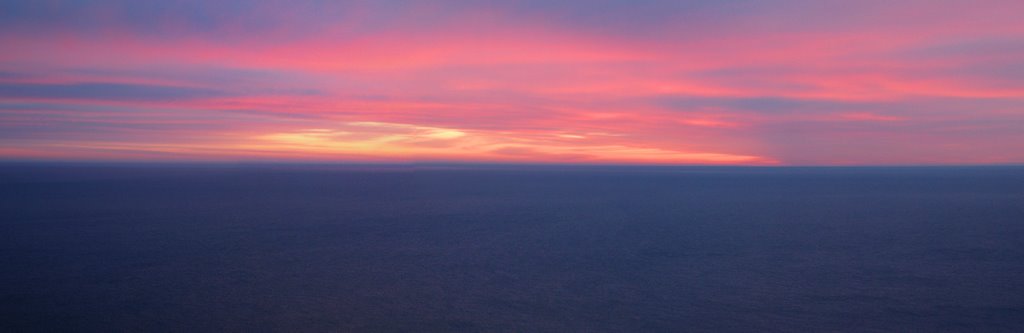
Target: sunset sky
815, 82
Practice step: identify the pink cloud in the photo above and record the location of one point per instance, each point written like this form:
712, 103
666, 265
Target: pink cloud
527, 88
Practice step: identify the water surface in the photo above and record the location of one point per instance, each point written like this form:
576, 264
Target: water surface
398, 248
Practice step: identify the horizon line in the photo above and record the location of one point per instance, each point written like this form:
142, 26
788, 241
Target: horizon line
473, 164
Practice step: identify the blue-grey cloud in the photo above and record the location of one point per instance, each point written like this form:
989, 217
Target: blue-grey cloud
634, 17
796, 106
225, 20
11, 75
106, 91
772, 105
165, 18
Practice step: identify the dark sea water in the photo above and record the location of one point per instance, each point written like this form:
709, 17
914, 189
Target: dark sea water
91, 248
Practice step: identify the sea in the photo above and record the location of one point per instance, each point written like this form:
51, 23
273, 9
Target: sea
121, 247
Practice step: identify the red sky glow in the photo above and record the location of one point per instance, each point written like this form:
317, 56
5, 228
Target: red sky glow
598, 82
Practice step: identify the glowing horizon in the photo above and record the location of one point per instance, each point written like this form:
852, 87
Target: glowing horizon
632, 82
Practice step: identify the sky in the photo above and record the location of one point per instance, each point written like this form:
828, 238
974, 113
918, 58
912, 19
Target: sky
734, 82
